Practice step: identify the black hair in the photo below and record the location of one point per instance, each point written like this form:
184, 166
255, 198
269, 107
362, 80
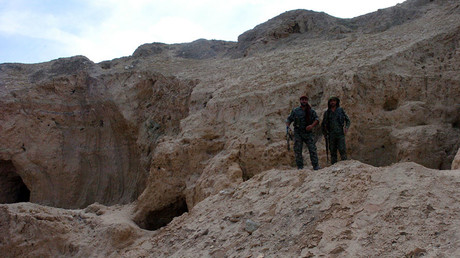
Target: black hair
333, 98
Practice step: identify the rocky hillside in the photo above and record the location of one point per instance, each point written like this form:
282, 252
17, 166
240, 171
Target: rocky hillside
174, 129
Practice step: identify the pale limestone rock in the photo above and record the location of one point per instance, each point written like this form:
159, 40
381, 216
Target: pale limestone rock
350, 209
200, 133
403, 107
77, 135
106, 128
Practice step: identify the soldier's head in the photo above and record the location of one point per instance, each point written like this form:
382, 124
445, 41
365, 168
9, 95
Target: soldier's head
333, 102
303, 100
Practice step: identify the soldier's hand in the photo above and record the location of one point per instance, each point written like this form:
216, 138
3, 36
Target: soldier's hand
309, 128
345, 130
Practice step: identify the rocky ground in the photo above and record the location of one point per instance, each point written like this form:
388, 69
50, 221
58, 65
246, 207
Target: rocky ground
347, 210
179, 150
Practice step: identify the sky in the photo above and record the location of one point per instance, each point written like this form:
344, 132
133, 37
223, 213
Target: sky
34, 31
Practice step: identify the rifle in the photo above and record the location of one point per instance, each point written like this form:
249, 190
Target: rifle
326, 135
326, 138
288, 138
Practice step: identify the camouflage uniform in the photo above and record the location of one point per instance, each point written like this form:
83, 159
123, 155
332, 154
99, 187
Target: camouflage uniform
333, 124
298, 116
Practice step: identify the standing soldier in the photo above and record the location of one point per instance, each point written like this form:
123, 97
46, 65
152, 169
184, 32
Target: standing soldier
335, 125
304, 118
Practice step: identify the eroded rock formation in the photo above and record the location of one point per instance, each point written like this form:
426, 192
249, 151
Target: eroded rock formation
172, 125
349, 210
400, 87
77, 135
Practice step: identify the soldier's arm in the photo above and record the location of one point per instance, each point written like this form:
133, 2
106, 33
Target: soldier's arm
347, 120
315, 123
324, 123
315, 118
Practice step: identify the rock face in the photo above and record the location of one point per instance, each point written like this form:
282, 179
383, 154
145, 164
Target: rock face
176, 127
66, 136
400, 87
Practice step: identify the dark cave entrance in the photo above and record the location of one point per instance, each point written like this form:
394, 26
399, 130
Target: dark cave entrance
160, 218
12, 188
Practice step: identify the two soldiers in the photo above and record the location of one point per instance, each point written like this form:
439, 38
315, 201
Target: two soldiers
335, 125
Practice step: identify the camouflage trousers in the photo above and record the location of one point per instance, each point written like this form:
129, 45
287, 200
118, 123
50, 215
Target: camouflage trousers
307, 138
337, 142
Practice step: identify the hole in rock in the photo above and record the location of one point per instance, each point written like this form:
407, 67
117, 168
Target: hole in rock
456, 124
12, 188
390, 104
160, 218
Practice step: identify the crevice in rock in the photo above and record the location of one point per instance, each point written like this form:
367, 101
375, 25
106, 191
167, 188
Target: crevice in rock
246, 175
157, 219
12, 188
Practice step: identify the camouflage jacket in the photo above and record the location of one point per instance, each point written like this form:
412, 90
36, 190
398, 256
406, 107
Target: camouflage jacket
333, 122
299, 117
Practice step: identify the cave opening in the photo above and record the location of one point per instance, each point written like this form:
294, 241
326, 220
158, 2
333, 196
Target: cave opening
159, 218
12, 188
390, 104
